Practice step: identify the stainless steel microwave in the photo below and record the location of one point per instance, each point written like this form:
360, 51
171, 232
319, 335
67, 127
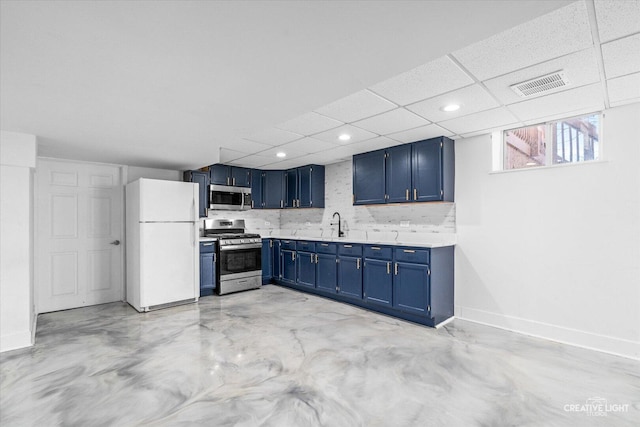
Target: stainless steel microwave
228, 198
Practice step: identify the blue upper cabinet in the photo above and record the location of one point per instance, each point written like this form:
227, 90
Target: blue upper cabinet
273, 189
369, 178
256, 189
418, 172
398, 173
202, 179
230, 175
433, 169
305, 187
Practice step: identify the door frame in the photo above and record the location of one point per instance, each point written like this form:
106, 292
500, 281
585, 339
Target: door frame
123, 180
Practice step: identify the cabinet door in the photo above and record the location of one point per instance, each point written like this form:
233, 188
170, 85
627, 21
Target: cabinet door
350, 277
304, 186
377, 281
427, 170
219, 174
411, 288
398, 174
256, 189
291, 186
207, 274
369, 178
326, 272
202, 179
288, 265
240, 177
276, 259
272, 189
306, 264
267, 260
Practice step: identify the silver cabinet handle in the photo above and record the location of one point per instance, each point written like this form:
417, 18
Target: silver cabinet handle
311, 258
388, 268
375, 248
348, 246
293, 256
214, 257
358, 264
396, 269
234, 181
324, 244
207, 244
407, 194
415, 194
409, 251
316, 258
115, 243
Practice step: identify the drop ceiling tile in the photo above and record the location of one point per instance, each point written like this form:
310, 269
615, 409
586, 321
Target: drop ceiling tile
285, 164
392, 121
418, 134
549, 36
480, 121
252, 161
227, 155
617, 18
308, 145
372, 144
583, 99
291, 153
624, 90
245, 146
431, 79
471, 100
581, 68
621, 56
274, 136
310, 123
357, 135
357, 106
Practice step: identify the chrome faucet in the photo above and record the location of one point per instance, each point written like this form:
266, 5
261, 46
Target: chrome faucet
340, 232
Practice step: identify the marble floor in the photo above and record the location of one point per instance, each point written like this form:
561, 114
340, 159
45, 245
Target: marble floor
276, 357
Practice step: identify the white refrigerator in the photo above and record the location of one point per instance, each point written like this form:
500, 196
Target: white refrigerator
162, 243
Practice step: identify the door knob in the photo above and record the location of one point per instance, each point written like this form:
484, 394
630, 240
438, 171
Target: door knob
115, 242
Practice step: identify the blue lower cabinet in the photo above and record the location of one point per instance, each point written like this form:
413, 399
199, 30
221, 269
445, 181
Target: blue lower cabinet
350, 276
411, 288
267, 261
275, 261
207, 268
378, 281
306, 264
326, 272
288, 266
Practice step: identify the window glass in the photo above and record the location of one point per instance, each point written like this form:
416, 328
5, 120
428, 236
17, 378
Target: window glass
570, 140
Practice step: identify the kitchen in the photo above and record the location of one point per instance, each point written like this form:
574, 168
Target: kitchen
570, 277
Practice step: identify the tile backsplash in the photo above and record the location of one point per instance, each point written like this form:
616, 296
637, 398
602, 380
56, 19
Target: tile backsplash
373, 222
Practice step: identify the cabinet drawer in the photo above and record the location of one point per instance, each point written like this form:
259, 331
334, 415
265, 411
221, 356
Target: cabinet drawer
349, 249
326, 248
288, 244
378, 252
303, 245
419, 256
207, 247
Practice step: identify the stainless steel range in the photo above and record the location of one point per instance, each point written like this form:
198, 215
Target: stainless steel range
239, 264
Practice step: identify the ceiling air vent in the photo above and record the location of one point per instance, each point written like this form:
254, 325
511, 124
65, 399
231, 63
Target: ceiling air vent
539, 85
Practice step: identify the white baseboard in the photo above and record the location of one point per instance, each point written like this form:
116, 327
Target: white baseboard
15, 341
603, 343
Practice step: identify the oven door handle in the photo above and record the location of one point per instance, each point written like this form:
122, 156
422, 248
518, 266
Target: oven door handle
240, 246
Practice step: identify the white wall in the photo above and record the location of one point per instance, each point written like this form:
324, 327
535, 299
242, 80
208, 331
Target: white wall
17, 163
135, 172
554, 252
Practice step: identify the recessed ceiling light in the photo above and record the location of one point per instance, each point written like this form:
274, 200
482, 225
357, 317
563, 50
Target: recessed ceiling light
451, 107
344, 137
281, 154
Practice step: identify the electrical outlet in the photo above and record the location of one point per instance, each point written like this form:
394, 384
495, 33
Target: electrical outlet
404, 224
267, 223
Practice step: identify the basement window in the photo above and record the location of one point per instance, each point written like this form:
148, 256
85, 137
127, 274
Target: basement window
571, 140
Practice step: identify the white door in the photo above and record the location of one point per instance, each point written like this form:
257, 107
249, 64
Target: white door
79, 228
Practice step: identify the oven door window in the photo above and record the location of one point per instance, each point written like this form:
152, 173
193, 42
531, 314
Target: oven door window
240, 260
225, 198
